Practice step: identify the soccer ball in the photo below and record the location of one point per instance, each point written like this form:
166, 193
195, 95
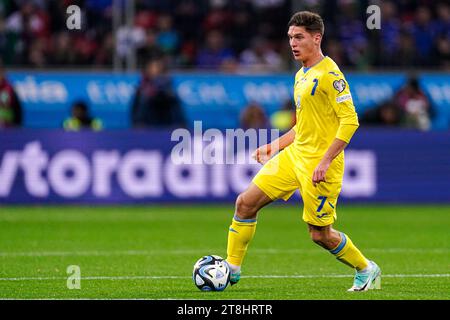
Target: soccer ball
211, 273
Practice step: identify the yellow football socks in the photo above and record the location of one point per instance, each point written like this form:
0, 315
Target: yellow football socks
347, 253
241, 232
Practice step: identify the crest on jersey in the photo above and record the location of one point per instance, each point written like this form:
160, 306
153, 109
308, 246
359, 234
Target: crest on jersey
339, 85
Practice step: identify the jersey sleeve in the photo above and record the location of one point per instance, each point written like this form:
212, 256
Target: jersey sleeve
340, 98
295, 82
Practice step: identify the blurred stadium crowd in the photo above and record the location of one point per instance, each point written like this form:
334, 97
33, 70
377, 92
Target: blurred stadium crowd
231, 35
236, 36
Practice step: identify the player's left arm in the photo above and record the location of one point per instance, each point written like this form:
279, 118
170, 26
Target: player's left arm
339, 97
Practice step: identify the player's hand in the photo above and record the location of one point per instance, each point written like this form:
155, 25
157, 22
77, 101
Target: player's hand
263, 153
320, 172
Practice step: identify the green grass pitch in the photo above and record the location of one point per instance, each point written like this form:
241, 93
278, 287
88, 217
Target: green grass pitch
148, 252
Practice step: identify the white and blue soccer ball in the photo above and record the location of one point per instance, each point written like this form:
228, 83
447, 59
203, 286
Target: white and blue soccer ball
211, 273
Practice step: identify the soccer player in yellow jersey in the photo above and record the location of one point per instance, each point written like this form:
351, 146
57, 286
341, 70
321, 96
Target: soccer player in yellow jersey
310, 158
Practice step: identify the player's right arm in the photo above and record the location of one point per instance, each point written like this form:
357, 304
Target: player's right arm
265, 152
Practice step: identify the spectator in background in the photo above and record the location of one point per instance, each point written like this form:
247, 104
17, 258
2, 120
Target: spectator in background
443, 51
242, 29
442, 42
254, 117
406, 50
352, 35
26, 26
423, 33
415, 105
149, 49
188, 14
390, 33
442, 24
104, 55
63, 53
81, 119
334, 50
285, 118
155, 104
37, 55
167, 39
388, 114
218, 17
215, 52
130, 38
10, 108
409, 108
260, 57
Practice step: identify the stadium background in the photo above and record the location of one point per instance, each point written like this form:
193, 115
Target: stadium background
228, 65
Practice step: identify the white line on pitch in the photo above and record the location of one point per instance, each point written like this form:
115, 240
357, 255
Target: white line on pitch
203, 251
445, 275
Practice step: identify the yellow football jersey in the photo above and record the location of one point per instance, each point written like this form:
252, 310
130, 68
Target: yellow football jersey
325, 111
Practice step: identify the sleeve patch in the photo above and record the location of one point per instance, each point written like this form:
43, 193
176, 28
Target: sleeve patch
343, 98
339, 85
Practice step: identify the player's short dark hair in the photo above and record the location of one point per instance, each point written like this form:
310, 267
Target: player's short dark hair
312, 22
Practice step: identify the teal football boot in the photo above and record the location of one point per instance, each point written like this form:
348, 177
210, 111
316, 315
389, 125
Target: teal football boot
234, 278
367, 279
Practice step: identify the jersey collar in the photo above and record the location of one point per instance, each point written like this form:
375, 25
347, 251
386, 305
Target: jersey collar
305, 70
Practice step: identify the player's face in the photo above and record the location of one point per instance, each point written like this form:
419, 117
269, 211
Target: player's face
303, 44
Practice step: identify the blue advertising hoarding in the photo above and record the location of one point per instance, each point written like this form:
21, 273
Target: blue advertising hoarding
437, 88
47, 97
216, 99
131, 167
